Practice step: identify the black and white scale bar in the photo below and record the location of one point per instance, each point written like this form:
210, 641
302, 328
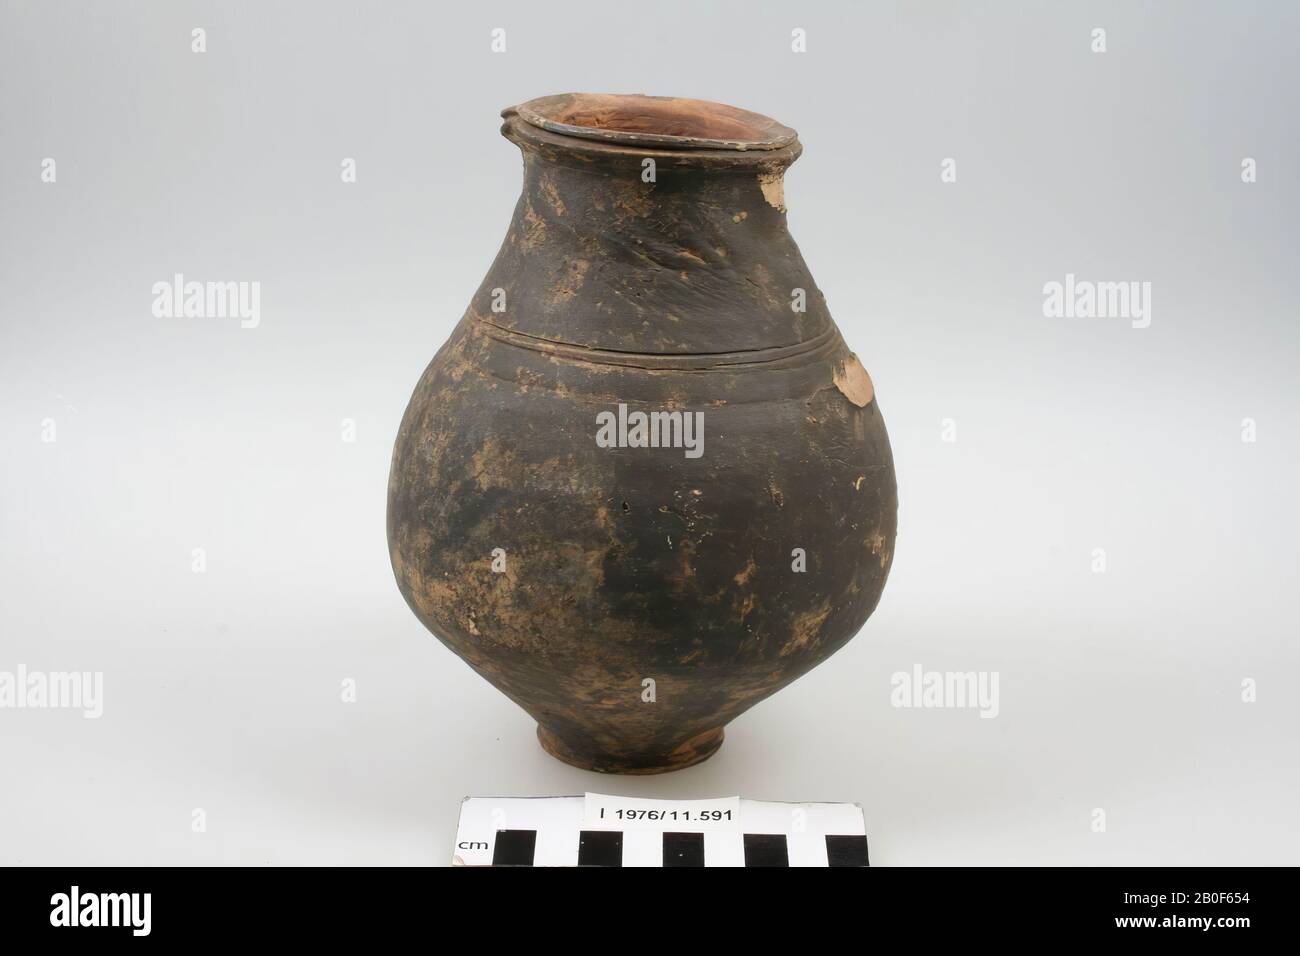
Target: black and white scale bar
551, 831
605, 848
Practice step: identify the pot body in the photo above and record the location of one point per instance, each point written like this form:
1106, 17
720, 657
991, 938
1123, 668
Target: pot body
634, 599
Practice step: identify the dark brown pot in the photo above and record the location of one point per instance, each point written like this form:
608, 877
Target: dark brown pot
570, 574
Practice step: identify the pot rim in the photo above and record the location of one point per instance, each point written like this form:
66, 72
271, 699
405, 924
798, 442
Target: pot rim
666, 122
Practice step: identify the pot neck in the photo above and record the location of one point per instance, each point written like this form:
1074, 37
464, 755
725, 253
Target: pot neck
640, 248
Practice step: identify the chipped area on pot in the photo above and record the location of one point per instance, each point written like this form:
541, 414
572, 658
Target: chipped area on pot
852, 379
773, 186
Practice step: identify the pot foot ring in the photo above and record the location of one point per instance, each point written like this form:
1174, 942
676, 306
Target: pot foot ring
695, 750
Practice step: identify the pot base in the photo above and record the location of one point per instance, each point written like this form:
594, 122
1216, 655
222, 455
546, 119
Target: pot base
696, 750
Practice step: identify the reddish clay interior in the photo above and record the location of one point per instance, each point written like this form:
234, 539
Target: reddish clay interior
661, 116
